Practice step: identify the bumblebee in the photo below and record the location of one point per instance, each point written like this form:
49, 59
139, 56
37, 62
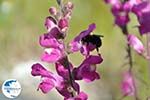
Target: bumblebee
93, 39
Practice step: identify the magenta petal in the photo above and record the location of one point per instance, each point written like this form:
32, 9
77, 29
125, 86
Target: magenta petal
127, 85
135, 43
63, 23
48, 41
89, 77
39, 70
64, 91
55, 32
84, 50
75, 46
46, 85
50, 23
142, 11
82, 96
85, 32
86, 72
51, 55
112, 2
93, 59
62, 71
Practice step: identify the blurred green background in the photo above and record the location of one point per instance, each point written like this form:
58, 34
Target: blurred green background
21, 23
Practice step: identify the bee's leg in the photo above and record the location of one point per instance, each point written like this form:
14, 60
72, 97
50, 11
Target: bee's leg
97, 49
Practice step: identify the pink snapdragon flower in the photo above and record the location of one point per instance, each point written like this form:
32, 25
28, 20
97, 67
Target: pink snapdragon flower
134, 42
127, 85
87, 70
49, 80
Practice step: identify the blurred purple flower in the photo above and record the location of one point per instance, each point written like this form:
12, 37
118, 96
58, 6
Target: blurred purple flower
121, 9
87, 70
127, 85
112, 2
142, 11
134, 42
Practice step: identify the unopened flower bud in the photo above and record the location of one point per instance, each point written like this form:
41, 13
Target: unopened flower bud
69, 5
53, 10
63, 23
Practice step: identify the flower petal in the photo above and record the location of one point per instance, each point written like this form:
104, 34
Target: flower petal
46, 85
135, 43
93, 59
48, 41
39, 70
50, 23
127, 85
85, 32
51, 55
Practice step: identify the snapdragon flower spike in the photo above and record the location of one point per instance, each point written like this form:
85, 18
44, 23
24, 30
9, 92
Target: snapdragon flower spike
80, 96
142, 11
78, 44
87, 70
134, 42
127, 86
55, 51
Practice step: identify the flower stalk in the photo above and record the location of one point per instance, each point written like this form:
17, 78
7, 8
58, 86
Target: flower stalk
125, 32
66, 63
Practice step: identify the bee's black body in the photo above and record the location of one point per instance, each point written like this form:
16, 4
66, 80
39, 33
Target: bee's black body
93, 39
